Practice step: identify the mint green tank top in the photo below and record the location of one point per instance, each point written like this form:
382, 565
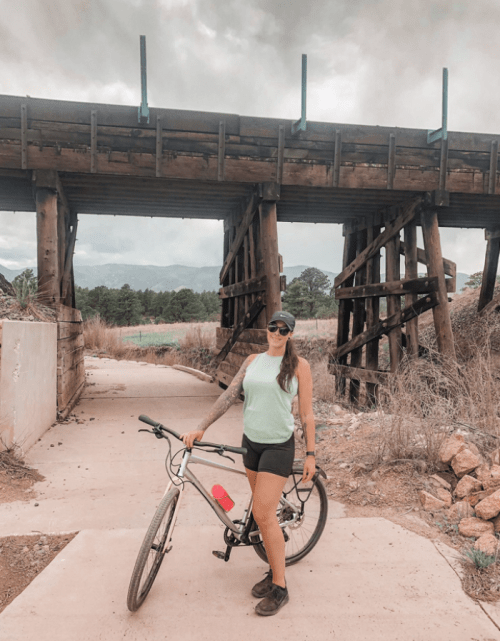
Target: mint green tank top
267, 410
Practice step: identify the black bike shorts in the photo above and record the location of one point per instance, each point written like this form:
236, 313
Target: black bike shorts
275, 458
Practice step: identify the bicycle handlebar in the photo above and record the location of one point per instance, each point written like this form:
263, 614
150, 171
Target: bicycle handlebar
226, 448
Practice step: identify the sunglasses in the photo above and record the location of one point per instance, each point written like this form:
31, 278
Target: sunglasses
282, 330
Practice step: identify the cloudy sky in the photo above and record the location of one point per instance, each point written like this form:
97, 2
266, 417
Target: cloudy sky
373, 62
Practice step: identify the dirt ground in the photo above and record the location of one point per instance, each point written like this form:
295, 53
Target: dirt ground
22, 558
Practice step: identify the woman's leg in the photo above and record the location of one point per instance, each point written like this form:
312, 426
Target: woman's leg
267, 489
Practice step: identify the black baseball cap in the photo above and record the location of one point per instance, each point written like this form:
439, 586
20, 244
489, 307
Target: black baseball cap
286, 317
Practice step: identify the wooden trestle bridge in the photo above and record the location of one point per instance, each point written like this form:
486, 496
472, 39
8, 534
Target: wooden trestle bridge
64, 159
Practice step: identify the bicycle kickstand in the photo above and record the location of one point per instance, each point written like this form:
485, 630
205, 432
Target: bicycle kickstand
223, 555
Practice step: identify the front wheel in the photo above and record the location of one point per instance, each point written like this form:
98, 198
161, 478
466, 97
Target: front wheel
304, 507
153, 550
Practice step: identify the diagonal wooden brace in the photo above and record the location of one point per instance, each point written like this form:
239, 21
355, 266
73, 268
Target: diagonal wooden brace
392, 229
383, 327
252, 313
250, 209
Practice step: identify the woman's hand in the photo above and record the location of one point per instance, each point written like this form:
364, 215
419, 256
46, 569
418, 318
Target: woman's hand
189, 438
309, 469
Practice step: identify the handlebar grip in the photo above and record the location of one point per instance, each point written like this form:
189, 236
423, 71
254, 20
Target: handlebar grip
228, 448
149, 421
146, 419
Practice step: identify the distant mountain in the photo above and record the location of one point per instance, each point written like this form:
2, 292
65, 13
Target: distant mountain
166, 278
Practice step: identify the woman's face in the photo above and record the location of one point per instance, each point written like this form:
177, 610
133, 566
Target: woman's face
275, 338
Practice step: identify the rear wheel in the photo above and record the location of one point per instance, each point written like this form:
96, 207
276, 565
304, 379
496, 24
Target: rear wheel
153, 550
304, 507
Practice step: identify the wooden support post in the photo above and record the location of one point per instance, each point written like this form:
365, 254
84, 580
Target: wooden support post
67, 279
225, 322
492, 180
490, 271
392, 272
337, 154
159, 146
411, 271
47, 238
269, 244
345, 307
246, 271
372, 316
281, 154
24, 136
391, 162
221, 156
434, 257
358, 319
93, 141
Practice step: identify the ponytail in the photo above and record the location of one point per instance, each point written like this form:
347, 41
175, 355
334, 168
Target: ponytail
288, 366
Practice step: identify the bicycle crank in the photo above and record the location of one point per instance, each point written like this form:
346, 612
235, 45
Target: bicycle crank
223, 556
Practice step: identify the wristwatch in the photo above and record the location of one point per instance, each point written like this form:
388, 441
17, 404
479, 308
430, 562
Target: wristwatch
310, 453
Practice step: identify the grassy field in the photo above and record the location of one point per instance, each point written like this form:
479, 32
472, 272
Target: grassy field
175, 333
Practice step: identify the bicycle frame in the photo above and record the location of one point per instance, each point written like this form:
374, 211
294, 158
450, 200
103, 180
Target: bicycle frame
185, 473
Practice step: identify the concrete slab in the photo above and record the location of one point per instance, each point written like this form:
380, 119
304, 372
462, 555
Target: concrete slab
342, 591
28, 381
366, 579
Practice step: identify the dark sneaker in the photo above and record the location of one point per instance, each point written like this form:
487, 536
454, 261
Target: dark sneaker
263, 588
273, 602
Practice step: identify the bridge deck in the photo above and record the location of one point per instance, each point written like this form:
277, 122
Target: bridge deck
201, 165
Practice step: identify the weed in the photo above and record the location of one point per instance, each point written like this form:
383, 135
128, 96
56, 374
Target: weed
26, 291
479, 558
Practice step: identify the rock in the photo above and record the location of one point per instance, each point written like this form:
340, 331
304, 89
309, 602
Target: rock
473, 527
482, 472
458, 511
492, 479
495, 456
5, 286
436, 480
445, 496
430, 503
489, 507
338, 410
473, 448
496, 523
464, 462
451, 447
487, 543
467, 485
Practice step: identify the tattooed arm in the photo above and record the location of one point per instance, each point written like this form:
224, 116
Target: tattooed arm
221, 405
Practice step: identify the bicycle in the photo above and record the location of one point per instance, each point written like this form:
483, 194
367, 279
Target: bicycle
301, 531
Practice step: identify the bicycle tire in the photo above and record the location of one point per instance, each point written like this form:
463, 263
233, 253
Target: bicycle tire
152, 549
302, 537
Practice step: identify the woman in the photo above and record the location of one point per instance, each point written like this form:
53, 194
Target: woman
270, 381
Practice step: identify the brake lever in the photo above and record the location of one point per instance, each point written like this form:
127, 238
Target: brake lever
221, 451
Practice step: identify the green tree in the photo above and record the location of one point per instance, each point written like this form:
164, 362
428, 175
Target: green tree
474, 281
316, 280
186, 306
314, 294
104, 301
83, 303
212, 304
128, 307
298, 299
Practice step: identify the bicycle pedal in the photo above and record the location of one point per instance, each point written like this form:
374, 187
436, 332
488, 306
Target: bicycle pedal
219, 555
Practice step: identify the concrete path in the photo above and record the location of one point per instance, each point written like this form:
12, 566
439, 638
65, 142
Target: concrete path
367, 579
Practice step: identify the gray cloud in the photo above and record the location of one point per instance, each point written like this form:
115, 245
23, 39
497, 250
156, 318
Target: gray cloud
370, 61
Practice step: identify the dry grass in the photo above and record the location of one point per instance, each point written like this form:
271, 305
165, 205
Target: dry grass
12, 466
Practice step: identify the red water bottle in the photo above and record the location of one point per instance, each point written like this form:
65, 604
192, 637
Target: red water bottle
222, 498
